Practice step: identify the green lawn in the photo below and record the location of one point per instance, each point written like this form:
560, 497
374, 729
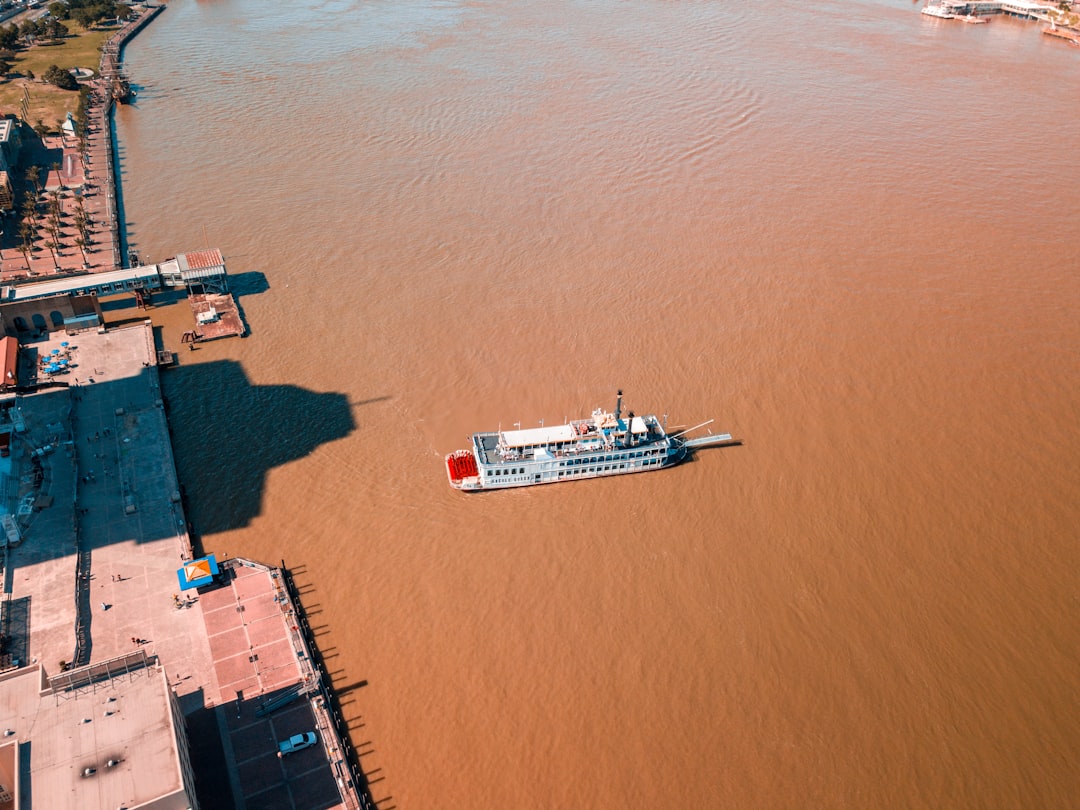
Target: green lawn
80, 49
47, 103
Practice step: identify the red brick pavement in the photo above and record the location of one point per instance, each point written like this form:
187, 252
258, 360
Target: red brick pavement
251, 646
249, 639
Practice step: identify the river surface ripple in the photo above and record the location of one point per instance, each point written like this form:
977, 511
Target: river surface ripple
845, 231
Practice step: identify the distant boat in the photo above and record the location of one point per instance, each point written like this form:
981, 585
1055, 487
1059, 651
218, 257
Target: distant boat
939, 11
121, 90
601, 445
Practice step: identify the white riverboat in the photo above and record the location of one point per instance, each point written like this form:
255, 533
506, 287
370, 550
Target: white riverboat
603, 444
938, 10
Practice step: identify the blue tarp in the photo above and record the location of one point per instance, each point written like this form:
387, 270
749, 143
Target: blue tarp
197, 573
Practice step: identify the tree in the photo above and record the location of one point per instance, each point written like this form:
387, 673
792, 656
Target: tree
86, 17
61, 78
26, 246
54, 29
26, 231
55, 209
9, 37
29, 29
33, 174
82, 221
53, 244
53, 225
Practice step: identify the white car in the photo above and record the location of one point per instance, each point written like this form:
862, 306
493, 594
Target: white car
297, 742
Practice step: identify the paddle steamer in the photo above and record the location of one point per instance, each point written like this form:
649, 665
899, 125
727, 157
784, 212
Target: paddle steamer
602, 444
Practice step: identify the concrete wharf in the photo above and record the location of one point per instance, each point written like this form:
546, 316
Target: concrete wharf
92, 576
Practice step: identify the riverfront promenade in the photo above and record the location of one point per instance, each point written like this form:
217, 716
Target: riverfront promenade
81, 182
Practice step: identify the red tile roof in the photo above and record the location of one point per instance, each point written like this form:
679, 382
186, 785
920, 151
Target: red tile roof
9, 356
201, 259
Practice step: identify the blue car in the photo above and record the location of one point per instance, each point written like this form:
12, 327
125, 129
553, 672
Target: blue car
297, 742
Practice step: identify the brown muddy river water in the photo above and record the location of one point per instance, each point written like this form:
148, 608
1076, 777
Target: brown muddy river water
847, 232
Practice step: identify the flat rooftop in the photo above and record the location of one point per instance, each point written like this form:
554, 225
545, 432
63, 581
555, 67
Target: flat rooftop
110, 743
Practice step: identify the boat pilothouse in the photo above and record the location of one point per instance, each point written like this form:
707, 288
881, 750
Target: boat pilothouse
602, 444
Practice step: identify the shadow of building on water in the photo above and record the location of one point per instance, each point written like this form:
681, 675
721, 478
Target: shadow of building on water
227, 434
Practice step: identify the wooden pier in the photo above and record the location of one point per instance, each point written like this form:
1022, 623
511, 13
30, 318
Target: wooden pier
1064, 33
216, 316
202, 273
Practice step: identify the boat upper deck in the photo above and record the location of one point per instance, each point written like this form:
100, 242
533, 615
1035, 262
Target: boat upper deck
603, 432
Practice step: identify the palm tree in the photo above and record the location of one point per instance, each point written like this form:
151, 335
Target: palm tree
26, 247
53, 247
28, 225
55, 209
54, 232
80, 217
33, 174
29, 209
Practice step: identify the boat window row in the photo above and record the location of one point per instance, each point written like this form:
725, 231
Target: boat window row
597, 468
518, 471
590, 460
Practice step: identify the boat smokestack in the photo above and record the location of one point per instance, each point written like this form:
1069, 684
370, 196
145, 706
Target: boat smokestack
618, 405
629, 442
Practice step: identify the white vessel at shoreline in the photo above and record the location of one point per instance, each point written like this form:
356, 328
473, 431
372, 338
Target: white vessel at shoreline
935, 10
603, 444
